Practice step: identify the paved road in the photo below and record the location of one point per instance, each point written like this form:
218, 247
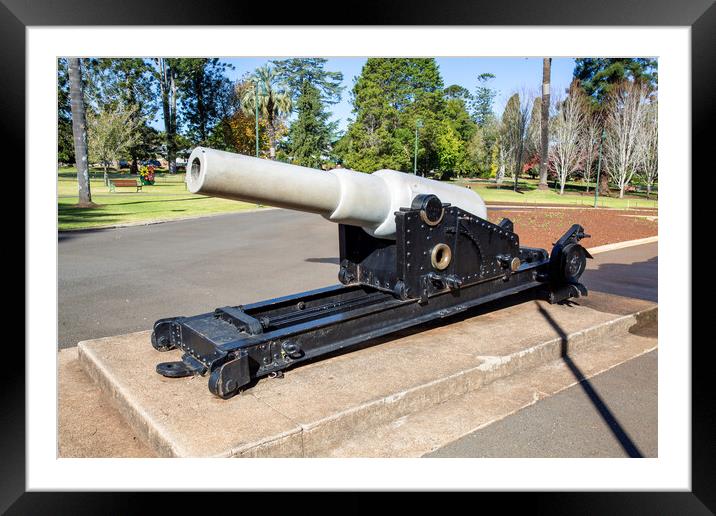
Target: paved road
629, 272
121, 280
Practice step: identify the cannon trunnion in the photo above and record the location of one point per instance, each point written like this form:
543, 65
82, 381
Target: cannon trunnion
443, 261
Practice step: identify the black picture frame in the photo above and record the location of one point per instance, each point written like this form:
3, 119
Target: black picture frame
700, 15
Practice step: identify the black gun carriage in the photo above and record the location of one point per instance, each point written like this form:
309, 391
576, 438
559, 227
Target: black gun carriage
409, 258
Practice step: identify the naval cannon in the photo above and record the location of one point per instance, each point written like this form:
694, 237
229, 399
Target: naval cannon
411, 250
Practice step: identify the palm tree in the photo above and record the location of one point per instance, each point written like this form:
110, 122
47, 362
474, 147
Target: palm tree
274, 102
79, 131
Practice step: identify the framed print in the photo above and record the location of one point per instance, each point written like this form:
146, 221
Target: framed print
36, 35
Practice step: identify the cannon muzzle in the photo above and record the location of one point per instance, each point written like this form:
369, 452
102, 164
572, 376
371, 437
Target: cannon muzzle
340, 195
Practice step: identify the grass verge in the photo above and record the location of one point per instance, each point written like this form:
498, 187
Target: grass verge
127, 208
169, 199
574, 195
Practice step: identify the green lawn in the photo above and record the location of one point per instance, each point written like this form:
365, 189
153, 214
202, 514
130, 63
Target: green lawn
165, 200
575, 194
169, 199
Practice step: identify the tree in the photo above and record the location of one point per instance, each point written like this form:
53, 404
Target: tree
544, 122
566, 149
625, 142
599, 77
310, 136
294, 72
389, 98
205, 91
128, 82
591, 140
236, 132
65, 144
79, 131
515, 120
498, 163
533, 145
110, 134
650, 160
166, 76
457, 92
459, 129
274, 102
451, 151
483, 100
478, 152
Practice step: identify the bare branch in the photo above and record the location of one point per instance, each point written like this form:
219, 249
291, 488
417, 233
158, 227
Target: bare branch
566, 149
625, 125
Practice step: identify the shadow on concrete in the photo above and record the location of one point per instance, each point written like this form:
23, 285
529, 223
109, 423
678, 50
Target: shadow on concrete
638, 279
621, 435
334, 260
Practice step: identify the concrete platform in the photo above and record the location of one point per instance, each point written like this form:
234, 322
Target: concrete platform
329, 408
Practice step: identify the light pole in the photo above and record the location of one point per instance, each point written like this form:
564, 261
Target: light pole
599, 168
418, 124
256, 117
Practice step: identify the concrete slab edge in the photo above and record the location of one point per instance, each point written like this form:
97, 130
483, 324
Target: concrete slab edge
322, 435
325, 434
154, 434
133, 414
622, 245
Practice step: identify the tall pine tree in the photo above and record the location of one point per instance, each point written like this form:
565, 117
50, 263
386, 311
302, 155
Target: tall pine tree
294, 72
389, 98
483, 100
204, 92
599, 77
310, 135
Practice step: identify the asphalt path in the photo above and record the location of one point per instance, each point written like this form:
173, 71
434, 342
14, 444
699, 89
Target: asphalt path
121, 280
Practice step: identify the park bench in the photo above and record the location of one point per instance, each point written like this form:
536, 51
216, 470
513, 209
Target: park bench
130, 183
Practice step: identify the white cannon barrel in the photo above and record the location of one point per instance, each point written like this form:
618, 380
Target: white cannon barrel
340, 195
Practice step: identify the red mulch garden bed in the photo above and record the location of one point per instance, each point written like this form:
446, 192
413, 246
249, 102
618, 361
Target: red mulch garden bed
542, 227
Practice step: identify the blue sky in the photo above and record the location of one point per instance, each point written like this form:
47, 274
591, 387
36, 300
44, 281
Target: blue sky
511, 74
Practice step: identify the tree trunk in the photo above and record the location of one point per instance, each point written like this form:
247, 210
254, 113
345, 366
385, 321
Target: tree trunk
200, 108
518, 158
134, 167
106, 177
501, 169
621, 192
648, 190
79, 132
165, 86
561, 188
544, 124
272, 140
173, 124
